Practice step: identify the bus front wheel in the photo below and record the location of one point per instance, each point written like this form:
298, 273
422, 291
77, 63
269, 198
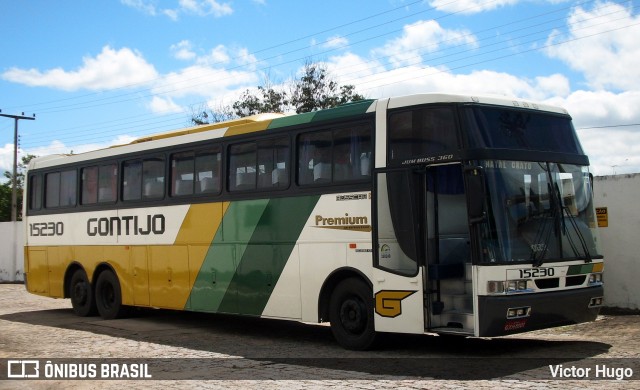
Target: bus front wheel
351, 314
109, 296
81, 293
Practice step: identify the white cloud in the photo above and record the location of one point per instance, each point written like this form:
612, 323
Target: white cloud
419, 38
171, 13
159, 105
244, 57
183, 50
108, 70
218, 55
611, 151
601, 108
470, 6
192, 7
55, 147
375, 80
6, 159
146, 7
203, 81
335, 41
608, 59
206, 8
611, 146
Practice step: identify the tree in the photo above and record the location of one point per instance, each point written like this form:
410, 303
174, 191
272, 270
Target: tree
271, 100
315, 90
6, 189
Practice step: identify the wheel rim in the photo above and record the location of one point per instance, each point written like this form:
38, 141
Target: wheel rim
107, 296
80, 293
353, 315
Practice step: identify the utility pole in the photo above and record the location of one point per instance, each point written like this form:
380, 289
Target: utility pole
14, 180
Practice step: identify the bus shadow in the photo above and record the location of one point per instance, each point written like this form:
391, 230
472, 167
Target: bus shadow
312, 347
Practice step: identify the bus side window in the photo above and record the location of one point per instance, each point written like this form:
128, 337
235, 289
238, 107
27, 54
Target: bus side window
314, 158
153, 178
339, 155
207, 174
61, 189
107, 183
52, 187
182, 167
242, 166
273, 157
35, 192
132, 180
351, 154
89, 178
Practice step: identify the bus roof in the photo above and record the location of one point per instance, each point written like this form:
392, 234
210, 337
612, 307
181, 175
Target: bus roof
272, 121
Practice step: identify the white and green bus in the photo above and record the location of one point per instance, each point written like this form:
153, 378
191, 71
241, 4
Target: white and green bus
431, 213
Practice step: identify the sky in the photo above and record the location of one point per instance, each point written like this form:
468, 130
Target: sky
99, 73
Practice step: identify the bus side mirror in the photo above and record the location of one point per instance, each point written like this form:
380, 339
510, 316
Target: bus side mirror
476, 194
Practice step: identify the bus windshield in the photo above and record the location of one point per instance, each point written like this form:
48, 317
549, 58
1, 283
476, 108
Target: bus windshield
538, 212
511, 128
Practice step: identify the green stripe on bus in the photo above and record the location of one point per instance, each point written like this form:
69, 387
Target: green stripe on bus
579, 269
291, 120
248, 254
267, 253
350, 109
229, 244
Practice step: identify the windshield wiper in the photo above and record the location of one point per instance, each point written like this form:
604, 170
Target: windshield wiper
583, 242
545, 229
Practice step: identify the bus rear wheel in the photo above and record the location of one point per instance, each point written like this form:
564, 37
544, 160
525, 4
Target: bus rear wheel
81, 293
351, 314
109, 296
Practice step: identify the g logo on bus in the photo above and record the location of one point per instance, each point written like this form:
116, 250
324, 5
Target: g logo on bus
389, 302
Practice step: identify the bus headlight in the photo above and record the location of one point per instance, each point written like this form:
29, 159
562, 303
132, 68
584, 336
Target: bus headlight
595, 279
509, 286
495, 287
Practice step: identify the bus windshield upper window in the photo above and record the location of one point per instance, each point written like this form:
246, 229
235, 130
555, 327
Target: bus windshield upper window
508, 128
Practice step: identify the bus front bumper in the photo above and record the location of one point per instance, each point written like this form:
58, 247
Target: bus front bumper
541, 310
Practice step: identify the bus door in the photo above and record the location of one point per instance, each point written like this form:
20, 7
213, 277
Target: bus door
448, 270
397, 274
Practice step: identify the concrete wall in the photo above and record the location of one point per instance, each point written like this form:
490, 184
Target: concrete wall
620, 241
11, 252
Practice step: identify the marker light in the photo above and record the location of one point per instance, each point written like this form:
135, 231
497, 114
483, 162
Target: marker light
597, 301
519, 312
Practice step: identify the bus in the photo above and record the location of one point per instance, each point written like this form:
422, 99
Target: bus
424, 214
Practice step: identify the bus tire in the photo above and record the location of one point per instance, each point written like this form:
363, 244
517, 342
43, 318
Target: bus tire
109, 296
82, 298
351, 314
